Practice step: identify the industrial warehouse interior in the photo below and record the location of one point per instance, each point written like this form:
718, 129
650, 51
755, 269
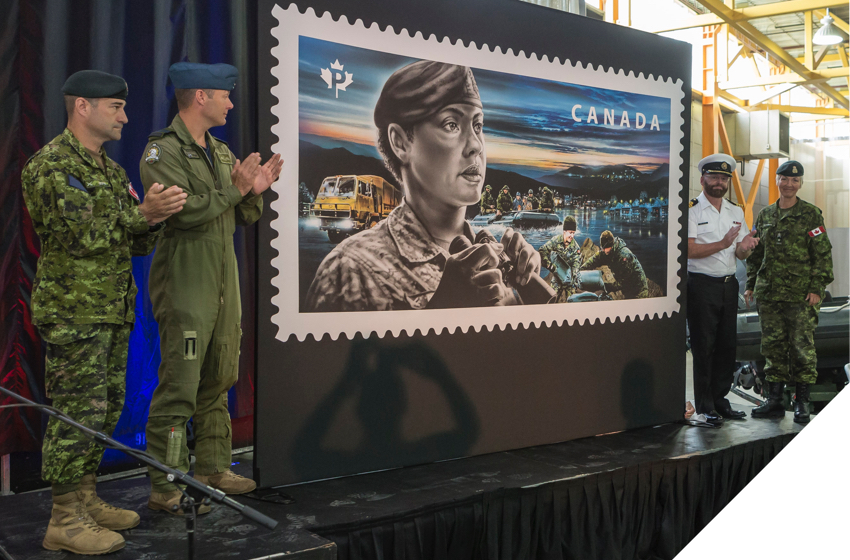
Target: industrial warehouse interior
490, 279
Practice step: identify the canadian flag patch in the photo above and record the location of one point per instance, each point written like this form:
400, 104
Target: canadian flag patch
817, 231
135, 195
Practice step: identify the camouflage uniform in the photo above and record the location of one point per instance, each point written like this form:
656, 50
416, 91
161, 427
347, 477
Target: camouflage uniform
395, 265
487, 201
194, 286
571, 255
504, 203
628, 273
532, 203
547, 200
793, 259
83, 297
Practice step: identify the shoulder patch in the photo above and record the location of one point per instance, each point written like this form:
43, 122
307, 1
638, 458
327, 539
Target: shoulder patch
153, 153
693, 202
133, 192
160, 133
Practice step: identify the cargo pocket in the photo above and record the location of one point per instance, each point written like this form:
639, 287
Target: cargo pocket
228, 359
69, 348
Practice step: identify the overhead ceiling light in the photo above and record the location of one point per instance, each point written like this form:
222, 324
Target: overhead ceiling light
828, 34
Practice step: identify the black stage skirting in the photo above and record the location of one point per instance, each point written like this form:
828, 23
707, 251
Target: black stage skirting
639, 494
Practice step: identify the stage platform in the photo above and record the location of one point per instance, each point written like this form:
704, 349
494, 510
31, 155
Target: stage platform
644, 493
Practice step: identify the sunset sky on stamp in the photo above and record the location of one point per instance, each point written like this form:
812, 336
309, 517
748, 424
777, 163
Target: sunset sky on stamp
528, 122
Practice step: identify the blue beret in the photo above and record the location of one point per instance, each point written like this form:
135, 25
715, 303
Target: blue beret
790, 168
191, 75
95, 84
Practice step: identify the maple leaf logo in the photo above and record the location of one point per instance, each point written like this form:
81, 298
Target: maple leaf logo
337, 77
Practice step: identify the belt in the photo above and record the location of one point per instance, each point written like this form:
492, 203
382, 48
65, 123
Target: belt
719, 279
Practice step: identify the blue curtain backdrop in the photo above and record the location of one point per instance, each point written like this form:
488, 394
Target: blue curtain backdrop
41, 43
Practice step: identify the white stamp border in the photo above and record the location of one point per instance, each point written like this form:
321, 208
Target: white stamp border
288, 319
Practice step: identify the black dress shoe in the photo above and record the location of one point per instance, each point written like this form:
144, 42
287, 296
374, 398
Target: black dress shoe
713, 417
730, 414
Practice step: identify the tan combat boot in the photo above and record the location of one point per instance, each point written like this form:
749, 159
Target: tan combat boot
105, 515
165, 501
228, 482
72, 528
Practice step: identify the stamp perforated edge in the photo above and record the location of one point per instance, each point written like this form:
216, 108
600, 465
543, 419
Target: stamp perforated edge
290, 24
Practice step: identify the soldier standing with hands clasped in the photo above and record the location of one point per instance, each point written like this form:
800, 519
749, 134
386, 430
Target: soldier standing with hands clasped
194, 281
90, 222
716, 236
788, 274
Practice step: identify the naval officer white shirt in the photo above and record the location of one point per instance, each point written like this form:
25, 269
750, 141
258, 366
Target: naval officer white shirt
707, 225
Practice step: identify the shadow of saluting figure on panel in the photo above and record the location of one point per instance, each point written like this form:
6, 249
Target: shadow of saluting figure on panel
637, 394
375, 374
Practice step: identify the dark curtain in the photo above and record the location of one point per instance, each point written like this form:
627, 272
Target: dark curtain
41, 43
649, 511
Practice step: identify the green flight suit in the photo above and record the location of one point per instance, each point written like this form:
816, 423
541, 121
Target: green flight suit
83, 297
793, 259
194, 287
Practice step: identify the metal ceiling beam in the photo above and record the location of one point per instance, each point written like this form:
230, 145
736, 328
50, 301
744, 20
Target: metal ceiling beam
789, 78
763, 96
752, 12
821, 55
809, 110
728, 16
807, 44
842, 55
828, 58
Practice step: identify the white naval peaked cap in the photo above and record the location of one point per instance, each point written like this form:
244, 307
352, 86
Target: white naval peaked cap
717, 163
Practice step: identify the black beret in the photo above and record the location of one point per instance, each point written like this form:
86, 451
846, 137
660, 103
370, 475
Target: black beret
790, 168
606, 239
569, 223
95, 84
192, 75
417, 91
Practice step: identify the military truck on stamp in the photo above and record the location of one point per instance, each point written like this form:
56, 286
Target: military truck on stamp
346, 204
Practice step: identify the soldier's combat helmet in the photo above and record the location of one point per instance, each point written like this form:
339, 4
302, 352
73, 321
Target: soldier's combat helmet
531, 192
606, 239
569, 223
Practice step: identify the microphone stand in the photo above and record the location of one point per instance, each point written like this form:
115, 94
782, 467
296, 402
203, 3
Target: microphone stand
173, 475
